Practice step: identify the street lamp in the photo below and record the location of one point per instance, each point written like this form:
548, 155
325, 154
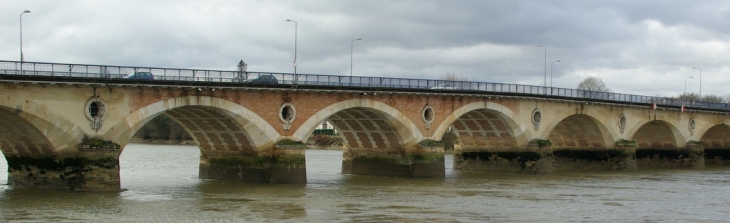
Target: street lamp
700, 81
551, 72
685, 85
545, 63
351, 43
295, 49
21, 34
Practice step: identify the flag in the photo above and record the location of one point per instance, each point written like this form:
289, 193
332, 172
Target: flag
683, 109
653, 106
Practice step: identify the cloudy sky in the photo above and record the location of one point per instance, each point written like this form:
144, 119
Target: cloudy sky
636, 47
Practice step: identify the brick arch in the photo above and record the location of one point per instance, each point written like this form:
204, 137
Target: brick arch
484, 128
216, 124
485, 123
717, 137
658, 134
580, 131
365, 128
29, 129
387, 123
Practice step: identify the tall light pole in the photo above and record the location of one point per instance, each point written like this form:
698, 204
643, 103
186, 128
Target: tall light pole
700, 81
685, 85
545, 63
551, 72
351, 43
21, 34
295, 49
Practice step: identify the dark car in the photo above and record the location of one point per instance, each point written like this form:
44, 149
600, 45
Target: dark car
264, 79
140, 76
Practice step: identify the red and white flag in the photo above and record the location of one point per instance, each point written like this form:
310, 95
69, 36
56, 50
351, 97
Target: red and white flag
683, 109
653, 106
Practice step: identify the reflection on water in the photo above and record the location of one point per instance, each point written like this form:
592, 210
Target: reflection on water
163, 186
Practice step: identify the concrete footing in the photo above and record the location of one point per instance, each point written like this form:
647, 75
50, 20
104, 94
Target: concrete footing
278, 166
692, 156
619, 158
423, 162
536, 158
90, 170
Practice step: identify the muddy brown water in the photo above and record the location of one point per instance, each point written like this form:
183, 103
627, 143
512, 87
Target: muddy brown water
162, 186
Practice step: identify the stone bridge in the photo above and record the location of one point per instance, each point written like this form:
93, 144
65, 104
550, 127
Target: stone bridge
66, 133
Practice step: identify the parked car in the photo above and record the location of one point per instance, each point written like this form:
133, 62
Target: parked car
142, 75
264, 79
443, 87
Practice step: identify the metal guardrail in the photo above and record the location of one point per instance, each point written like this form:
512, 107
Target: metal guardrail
197, 75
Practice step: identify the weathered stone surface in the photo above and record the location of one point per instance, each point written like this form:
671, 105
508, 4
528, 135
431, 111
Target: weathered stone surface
421, 162
279, 166
535, 159
92, 170
692, 156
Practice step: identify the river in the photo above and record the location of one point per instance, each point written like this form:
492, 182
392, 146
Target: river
162, 186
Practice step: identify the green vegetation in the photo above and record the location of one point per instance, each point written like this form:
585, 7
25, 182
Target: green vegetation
431, 143
625, 143
289, 142
542, 142
94, 143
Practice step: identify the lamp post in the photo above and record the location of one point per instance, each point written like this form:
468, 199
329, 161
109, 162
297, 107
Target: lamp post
295, 49
545, 63
21, 34
551, 72
351, 43
685, 85
700, 80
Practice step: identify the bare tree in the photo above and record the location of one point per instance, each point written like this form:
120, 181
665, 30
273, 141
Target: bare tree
689, 96
593, 84
713, 98
454, 77
458, 82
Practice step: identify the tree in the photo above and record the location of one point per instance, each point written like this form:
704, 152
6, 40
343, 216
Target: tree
454, 77
713, 98
689, 96
457, 81
593, 84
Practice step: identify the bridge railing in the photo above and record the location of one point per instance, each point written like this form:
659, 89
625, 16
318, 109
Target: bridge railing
200, 75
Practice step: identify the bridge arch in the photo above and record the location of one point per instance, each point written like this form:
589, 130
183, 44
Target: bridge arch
587, 128
489, 118
386, 120
32, 130
717, 136
214, 123
658, 134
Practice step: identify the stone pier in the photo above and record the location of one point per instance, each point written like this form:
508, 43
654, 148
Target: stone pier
621, 157
280, 165
536, 158
420, 162
691, 156
90, 170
